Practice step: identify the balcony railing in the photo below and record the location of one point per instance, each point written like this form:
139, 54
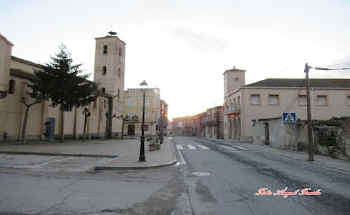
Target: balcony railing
235, 108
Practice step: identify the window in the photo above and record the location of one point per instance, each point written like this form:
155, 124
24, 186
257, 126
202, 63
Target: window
104, 70
322, 100
120, 51
132, 102
348, 100
103, 90
239, 100
302, 100
119, 72
145, 127
274, 100
12, 86
105, 49
255, 99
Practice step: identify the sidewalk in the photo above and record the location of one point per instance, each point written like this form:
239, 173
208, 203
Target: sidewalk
121, 153
321, 160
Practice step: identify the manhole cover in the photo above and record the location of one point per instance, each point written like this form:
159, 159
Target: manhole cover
200, 173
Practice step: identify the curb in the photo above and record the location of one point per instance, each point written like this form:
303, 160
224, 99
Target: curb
58, 154
169, 163
103, 168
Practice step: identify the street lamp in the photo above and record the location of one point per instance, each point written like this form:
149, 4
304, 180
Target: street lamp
308, 106
142, 157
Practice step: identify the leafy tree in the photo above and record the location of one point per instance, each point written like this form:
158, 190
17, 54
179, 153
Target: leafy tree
65, 86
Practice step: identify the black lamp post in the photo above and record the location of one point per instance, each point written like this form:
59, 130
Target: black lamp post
142, 157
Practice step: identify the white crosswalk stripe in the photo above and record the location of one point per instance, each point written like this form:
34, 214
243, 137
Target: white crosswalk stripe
197, 147
241, 148
179, 147
191, 147
202, 147
229, 148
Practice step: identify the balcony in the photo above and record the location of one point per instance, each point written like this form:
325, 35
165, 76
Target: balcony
234, 108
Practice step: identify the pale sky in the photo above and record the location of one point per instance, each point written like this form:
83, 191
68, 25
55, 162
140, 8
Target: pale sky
184, 46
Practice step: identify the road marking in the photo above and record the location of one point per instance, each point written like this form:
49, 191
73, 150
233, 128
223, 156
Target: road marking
201, 173
242, 148
229, 148
179, 147
203, 147
182, 159
54, 161
170, 138
191, 147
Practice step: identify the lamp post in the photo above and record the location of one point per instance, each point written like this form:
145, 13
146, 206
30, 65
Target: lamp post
142, 157
308, 107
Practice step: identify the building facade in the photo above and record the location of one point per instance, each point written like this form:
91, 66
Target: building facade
163, 117
133, 109
246, 105
214, 123
207, 124
20, 71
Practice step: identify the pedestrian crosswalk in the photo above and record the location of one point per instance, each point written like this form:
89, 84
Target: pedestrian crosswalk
193, 147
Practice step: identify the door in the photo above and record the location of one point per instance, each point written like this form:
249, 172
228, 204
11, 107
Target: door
131, 130
267, 134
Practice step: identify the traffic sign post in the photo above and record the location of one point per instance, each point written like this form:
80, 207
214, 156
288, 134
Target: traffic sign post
289, 118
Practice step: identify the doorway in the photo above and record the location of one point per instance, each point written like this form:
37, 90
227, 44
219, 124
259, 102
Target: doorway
267, 133
131, 130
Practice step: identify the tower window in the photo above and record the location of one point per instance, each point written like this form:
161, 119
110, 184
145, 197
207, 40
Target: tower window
105, 49
104, 70
118, 93
120, 51
103, 90
12, 86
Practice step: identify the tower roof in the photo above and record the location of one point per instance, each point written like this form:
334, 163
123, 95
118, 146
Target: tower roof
234, 69
6, 40
111, 37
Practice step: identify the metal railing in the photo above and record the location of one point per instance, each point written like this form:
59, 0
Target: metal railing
234, 108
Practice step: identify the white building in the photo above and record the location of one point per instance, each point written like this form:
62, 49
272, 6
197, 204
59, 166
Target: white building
245, 105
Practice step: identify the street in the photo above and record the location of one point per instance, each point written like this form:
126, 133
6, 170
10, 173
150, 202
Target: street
211, 177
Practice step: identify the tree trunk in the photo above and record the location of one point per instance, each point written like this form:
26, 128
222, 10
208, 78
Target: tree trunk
25, 124
84, 129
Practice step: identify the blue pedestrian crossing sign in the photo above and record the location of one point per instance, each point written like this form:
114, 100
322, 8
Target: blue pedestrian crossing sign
289, 118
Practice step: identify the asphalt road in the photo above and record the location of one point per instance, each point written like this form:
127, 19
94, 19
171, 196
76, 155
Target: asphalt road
210, 178
231, 176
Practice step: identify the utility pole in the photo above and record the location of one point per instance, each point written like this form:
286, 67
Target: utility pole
309, 119
308, 108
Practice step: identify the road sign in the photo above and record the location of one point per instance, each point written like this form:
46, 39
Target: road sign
289, 118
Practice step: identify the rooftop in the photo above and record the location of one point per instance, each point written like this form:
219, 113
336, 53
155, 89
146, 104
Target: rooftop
6, 40
285, 82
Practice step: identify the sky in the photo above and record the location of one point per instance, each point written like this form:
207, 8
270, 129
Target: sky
184, 46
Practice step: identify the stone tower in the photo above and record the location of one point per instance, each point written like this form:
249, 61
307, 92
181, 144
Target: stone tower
233, 79
109, 71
